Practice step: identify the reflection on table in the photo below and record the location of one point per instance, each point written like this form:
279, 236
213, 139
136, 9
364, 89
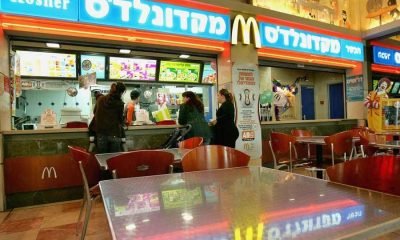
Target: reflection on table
257, 203
102, 158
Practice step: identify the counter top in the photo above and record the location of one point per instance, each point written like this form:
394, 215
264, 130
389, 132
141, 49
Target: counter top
73, 130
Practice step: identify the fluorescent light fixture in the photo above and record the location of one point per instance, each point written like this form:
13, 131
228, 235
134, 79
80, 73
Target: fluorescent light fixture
53, 45
184, 56
125, 51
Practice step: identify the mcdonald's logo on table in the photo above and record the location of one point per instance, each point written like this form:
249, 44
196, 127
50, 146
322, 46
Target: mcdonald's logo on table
49, 172
246, 26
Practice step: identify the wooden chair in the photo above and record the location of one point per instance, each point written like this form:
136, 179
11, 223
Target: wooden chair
141, 163
213, 157
190, 143
82, 158
366, 138
380, 173
341, 144
303, 151
282, 148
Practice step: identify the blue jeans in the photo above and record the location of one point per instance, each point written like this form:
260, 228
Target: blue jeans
108, 144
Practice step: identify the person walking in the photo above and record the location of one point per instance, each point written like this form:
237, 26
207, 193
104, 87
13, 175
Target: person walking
192, 112
225, 130
109, 119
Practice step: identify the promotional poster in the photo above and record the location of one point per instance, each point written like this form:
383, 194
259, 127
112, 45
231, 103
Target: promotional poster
245, 80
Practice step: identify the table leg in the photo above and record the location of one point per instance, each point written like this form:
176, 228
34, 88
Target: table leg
395, 150
320, 160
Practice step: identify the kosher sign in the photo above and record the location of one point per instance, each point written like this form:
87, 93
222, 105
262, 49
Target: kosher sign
245, 83
57, 9
386, 56
287, 38
354, 88
137, 14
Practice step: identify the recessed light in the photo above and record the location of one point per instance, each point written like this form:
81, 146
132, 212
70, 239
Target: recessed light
125, 51
53, 45
184, 56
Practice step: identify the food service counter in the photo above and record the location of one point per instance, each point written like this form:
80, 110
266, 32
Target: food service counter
38, 169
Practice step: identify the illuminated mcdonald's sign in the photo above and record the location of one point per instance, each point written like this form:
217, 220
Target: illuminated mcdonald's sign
248, 26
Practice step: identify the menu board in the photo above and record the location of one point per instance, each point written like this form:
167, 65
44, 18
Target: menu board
209, 73
133, 69
179, 72
44, 64
93, 64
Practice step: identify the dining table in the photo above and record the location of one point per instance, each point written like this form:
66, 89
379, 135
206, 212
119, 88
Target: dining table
245, 203
318, 142
177, 152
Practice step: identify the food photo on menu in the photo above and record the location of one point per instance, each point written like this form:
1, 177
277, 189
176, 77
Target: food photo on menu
133, 69
45, 64
179, 71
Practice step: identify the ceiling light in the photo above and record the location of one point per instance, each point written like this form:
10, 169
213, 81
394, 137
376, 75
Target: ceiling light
125, 51
184, 56
53, 45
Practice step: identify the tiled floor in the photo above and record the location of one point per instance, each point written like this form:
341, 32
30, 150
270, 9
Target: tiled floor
58, 221
55, 221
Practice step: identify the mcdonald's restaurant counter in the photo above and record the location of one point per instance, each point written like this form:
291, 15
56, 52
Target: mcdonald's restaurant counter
38, 169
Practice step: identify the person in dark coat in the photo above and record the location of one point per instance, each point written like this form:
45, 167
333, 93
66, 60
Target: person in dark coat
192, 112
225, 130
108, 113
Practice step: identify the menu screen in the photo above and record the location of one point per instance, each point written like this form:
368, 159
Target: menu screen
92, 63
179, 72
209, 73
133, 69
44, 64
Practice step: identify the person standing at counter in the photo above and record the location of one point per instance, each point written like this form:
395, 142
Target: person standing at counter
192, 112
225, 130
109, 119
129, 111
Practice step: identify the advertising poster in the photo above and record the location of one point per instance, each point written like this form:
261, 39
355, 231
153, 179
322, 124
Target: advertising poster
2, 84
354, 88
87, 80
179, 72
245, 83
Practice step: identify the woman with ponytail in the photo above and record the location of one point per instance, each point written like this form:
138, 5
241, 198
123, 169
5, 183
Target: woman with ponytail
225, 130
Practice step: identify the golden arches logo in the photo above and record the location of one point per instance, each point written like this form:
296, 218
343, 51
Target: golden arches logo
247, 26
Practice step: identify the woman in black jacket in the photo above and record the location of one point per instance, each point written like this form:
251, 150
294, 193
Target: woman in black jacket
225, 130
192, 112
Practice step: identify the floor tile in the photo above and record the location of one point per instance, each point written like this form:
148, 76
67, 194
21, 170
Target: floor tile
64, 232
26, 235
60, 219
23, 225
4, 215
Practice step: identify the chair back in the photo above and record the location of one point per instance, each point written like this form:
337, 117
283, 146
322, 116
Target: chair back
341, 144
208, 157
90, 166
141, 163
282, 146
190, 143
301, 133
166, 122
380, 173
77, 124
